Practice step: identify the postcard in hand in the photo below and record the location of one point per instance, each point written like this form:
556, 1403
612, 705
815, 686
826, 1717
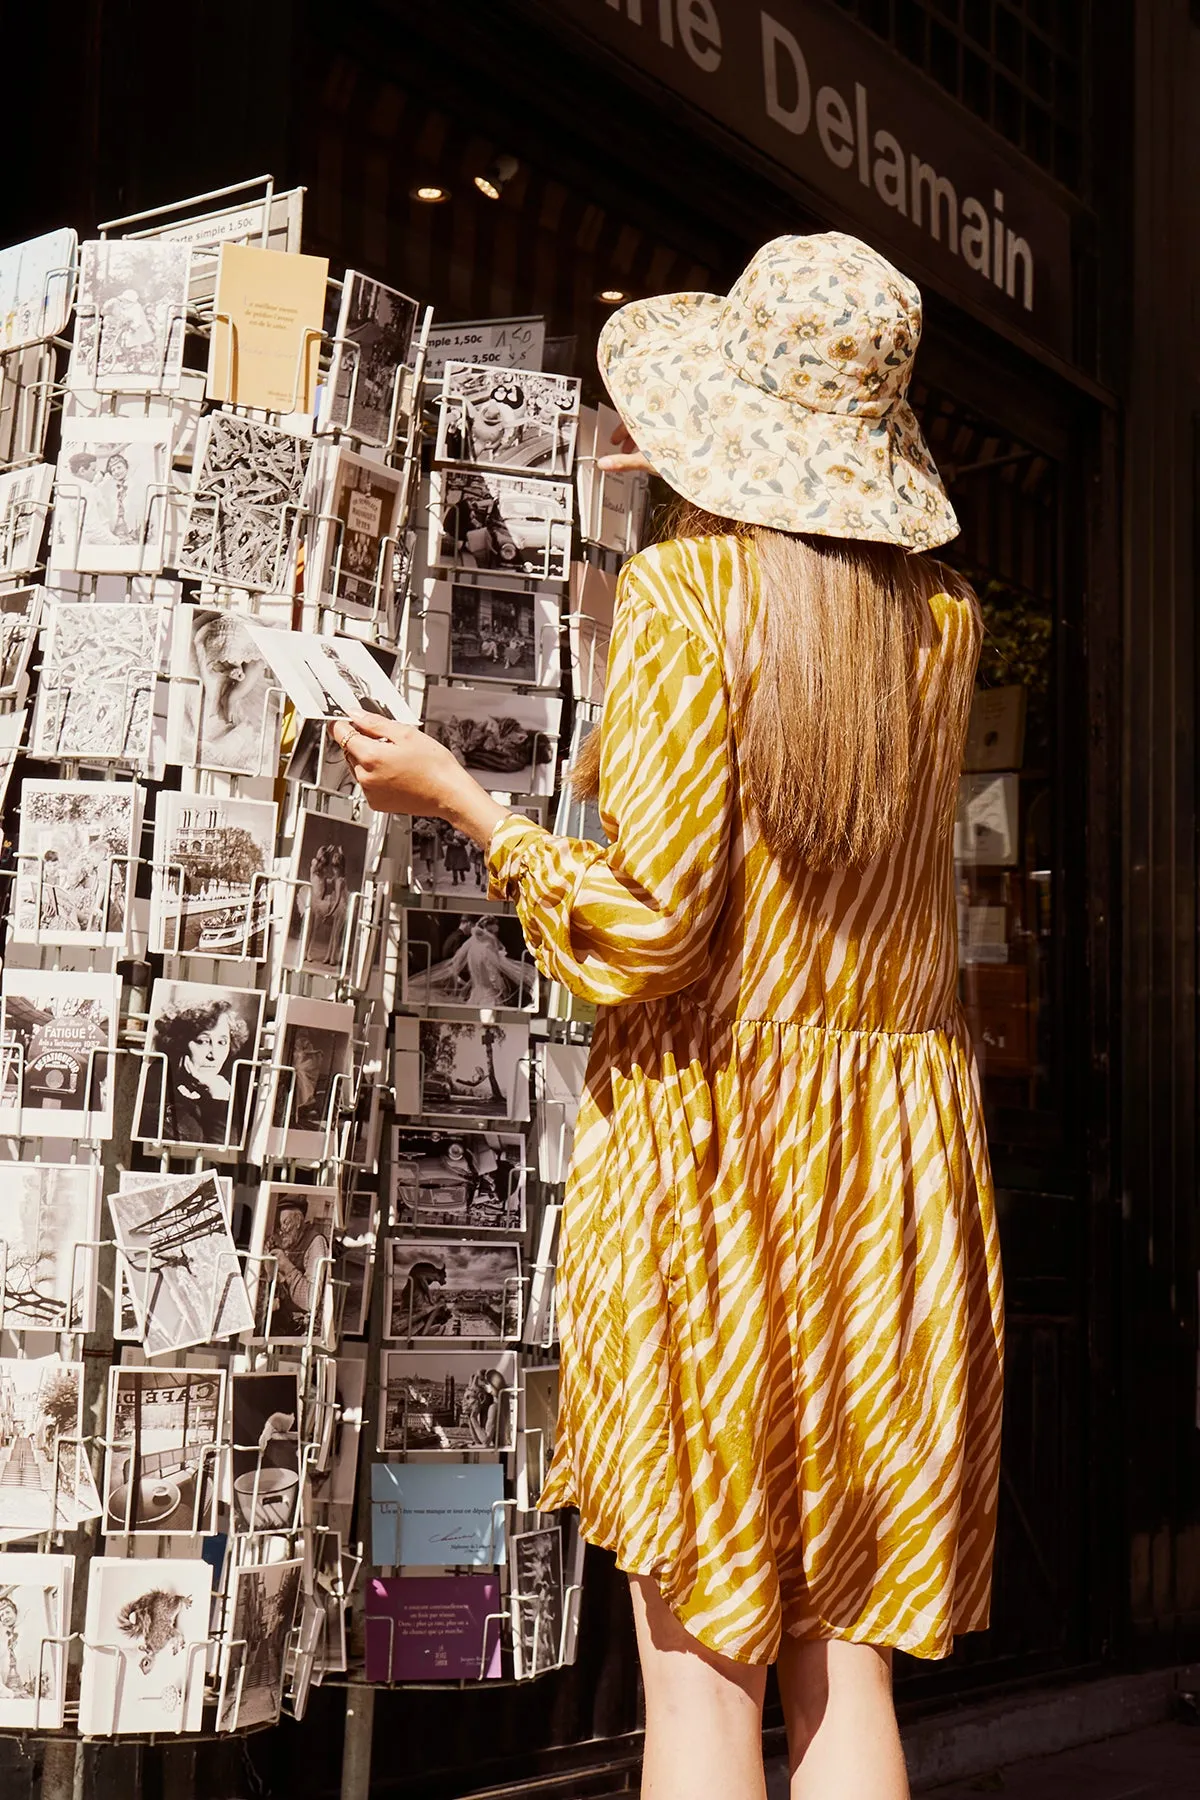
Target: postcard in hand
265, 1409
467, 959
100, 666
372, 344
466, 1179
163, 1458
451, 1288
60, 1027
225, 705
50, 1230
48, 1484
291, 1263
130, 316
144, 1646
75, 849
198, 1077
247, 484
510, 524
266, 335
262, 1610
35, 1610
432, 1628
212, 868
449, 1400
439, 1515
508, 418
329, 677
110, 495
180, 1260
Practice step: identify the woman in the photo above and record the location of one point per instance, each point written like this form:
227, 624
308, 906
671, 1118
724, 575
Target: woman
779, 1280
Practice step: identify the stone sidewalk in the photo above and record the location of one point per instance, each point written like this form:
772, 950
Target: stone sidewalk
1160, 1762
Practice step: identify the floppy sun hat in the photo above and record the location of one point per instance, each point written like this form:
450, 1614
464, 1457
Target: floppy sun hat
784, 403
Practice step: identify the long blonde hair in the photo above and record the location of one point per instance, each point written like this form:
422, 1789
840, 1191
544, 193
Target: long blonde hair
826, 696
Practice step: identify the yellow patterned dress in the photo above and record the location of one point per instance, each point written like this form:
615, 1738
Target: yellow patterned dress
779, 1278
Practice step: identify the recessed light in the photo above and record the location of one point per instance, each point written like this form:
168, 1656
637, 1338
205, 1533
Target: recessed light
487, 186
499, 171
430, 192
612, 296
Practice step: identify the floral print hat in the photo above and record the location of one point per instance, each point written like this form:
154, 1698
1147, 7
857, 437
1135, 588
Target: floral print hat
784, 403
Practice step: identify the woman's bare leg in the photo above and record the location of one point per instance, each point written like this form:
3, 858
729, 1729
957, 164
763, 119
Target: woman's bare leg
843, 1740
703, 1712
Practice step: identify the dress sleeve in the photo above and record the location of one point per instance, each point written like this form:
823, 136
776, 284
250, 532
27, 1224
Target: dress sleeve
632, 921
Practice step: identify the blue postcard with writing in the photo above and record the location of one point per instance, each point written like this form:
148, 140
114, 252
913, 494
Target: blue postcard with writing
428, 1513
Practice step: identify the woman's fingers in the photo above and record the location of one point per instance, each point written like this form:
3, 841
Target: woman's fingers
625, 461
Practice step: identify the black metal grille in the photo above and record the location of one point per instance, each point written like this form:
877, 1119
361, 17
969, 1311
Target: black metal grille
1016, 63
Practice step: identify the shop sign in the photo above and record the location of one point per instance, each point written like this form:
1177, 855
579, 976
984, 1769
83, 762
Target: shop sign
507, 343
941, 193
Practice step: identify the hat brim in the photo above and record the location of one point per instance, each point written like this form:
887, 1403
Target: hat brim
740, 452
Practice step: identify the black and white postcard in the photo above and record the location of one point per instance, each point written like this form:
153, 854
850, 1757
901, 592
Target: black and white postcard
508, 418
451, 1400
35, 1611
291, 1263
100, 666
263, 1599
46, 1481
537, 1424
110, 495
535, 1594
453, 1288
20, 612
50, 1230
163, 1463
212, 876
225, 704
329, 677
265, 1414
182, 1266
60, 1029
612, 504
510, 524
330, 866
475, 1070
75, 851
467, 959
470, 1180
202, 1044
129, 316
24, 509
507, 741
247, 484
540, 1315
447, 862
354, 545
482, 633
144, 1644
372, 343
311, 1077
563, 1069
37, 283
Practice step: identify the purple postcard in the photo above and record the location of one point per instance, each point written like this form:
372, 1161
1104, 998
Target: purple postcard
433, 1628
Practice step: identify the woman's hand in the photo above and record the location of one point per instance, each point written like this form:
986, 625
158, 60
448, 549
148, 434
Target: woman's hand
627, 458
403, 770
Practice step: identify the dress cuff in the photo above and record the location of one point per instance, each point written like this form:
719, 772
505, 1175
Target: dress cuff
506, 855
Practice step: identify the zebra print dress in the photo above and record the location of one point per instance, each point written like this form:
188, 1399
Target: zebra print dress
779, 1279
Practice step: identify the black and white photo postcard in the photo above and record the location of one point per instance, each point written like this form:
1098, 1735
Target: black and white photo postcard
453, 1288
353, 548
331, 677
46, 1481
372, 343
467, 959
593, 602
130, 315
448, 1400
508, 418
265, 1412
50, 1230
510, 524
535, 1595
247, 484
96, 692
202, 1045
263, 1601
507, 741
20, 613
311, 1076
37, 280
447, 862
468, 1180
75, 850
144, 1644
212, 876
537, 1425
24, 509
110, 495
225, 707
27, 381
35, 1610
59, 1032
325, 905
475, 1070
162, 1464
493, 634
182, 1266
291, 1263
326, 1595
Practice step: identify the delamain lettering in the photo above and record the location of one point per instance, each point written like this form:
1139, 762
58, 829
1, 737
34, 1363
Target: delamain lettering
928, 184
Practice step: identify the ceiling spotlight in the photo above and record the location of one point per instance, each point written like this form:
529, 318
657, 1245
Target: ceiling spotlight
500, 171
612, 296
431, 192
